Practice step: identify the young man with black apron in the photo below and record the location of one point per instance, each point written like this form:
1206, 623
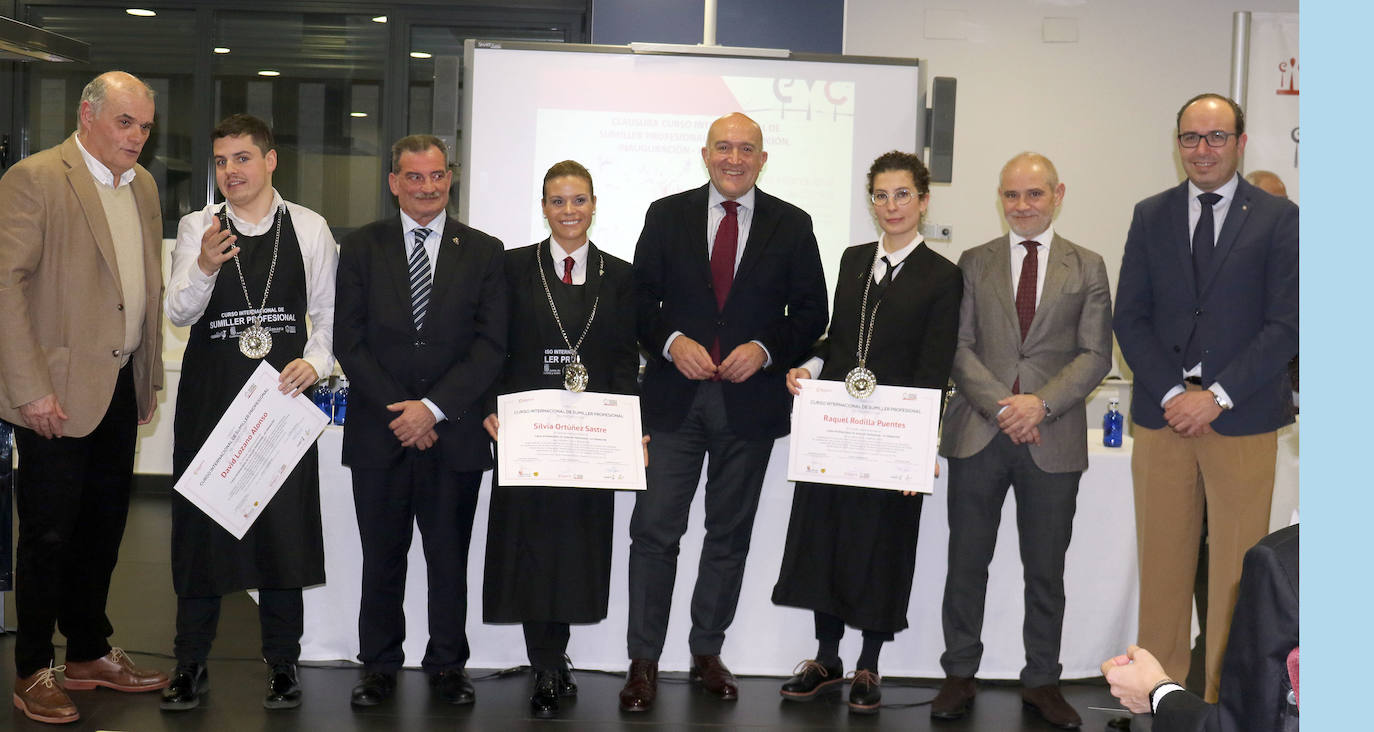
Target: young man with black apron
245, 276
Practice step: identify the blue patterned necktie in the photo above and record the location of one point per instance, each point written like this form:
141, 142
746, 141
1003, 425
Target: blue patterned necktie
419, 278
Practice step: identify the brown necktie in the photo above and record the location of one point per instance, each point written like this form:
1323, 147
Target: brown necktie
567, 270
1025, 295
723, 263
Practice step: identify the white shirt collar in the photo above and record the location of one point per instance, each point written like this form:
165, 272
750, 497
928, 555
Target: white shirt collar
899, 256
98, 170
1227, 191
1043, 239
715, 198
255, 228
435, 226
558, 254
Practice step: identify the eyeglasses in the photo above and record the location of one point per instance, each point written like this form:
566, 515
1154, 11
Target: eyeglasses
1215, 138
902, 196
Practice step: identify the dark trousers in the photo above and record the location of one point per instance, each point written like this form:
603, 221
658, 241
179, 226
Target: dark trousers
831, 628
281, 613
547, 645
421, 491
734, 477
72, 496
1045, 504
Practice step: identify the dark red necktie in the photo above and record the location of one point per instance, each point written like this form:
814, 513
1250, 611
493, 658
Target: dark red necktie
723, 263
1025, 295
567, 270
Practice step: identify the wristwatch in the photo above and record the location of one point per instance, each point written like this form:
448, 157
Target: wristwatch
1222, 404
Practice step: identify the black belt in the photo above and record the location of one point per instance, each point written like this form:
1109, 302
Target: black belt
1194, 380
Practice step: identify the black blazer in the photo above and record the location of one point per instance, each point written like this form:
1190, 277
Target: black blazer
917, 327
453, 361
609, 351
778, 298
1254, 673
1245, 310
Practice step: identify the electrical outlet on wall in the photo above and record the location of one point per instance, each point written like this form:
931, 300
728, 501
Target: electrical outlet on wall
937, 232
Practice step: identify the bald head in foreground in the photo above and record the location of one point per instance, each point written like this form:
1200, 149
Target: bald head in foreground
729, 293
80, 364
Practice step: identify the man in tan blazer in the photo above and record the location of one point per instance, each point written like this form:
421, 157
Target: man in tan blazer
1034, 340
80, 362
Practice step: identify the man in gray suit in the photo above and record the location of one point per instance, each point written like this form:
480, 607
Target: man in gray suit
1034, 339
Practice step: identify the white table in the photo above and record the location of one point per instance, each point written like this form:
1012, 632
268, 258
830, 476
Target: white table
1100, 618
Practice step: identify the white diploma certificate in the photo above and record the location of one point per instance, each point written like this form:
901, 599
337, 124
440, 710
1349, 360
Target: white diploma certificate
252, 449
885, 441
559, 438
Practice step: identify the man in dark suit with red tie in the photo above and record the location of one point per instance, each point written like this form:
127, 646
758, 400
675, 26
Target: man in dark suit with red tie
420, 330
730, 294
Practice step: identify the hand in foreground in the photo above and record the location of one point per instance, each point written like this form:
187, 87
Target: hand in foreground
691, 359
44, 415
151, 413
645, 442
415, 422
427, 440
1133, 676
1023, 411
491, 424
793, 375
216, 248
1190, 414
296, 377
743, 362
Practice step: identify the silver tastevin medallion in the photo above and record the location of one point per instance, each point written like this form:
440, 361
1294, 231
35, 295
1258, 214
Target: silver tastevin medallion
255, 341
575, 377
860, 382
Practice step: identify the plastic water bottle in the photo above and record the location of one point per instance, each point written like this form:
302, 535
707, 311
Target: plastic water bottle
341, 401
1112, 423
323, 397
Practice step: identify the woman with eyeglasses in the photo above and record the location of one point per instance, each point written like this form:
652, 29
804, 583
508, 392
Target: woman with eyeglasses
851, 551
548, 561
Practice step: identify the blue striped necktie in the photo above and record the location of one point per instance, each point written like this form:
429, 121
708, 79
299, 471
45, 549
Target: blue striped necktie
419, 278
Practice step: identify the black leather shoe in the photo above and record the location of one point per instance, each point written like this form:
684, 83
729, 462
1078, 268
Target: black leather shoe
189, 681
283, 687
714, 677
810, 678
453, 687
567, 683
865, 692
1050, 704
641, 686
955, 698
544, 701
375, 688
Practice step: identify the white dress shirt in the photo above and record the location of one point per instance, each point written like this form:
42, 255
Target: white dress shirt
1018, 260
436, 235
579, 270
189, 289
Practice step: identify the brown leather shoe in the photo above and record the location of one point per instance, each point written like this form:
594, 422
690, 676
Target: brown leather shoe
42, 700
714, 677
114, 670
955, 698
1050, 703
641, 686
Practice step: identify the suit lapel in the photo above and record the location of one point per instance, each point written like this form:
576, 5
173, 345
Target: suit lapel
396, 266
83, 184
1178, 225
698, 245
1056, 273
761, 225
446, 264
999, 269
1230, 229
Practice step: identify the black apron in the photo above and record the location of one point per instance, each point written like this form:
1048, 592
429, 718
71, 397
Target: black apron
549, 549
284, 548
